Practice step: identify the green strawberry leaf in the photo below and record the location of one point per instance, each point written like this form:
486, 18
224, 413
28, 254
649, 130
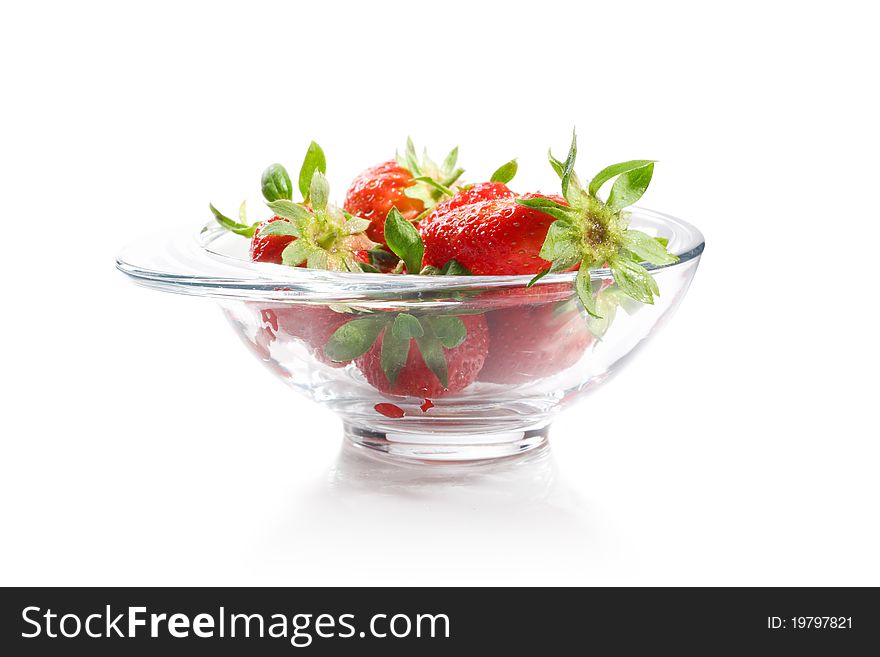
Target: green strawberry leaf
318, 259
558, 166
505, 173
344, 262
562, 242
548, 206
538, 277
293, 212
406, 327
411, 159
455, 268
565, 262
613, 294
313, 161
432, 353
232, 225
584, 287
368, 268
296, 253
353, 339
647, 248
290, 210
629, 187
280, 228
452, 178
276, 183
450, 160
568, 169
393, 356
319, 191
440, 187
355, 225
404, 240
427, 163
609, 172
634, 280
607, 302
450, 330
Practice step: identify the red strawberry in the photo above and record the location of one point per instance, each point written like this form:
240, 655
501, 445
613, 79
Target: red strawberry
269, 248
485, 191
492, 237
312, 325
378, 189
416, 379
532, 341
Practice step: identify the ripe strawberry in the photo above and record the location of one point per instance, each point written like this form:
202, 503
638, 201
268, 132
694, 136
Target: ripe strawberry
485, 191
313, 325
491, 237
376, 190
268, 248
416, 378
410, 184
280, 324
533, 341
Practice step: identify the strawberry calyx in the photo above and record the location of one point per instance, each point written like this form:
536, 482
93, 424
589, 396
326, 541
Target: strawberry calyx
431, 334
589, 232
432, 182
326, 237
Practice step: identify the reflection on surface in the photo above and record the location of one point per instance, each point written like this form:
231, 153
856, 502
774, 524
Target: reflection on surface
526, 477
391, 522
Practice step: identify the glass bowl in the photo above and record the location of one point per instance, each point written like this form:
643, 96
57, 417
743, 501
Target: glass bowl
513, 356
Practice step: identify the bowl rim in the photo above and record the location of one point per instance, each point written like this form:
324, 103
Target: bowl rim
185, 264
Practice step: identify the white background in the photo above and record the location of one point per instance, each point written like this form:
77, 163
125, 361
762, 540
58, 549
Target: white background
142, 445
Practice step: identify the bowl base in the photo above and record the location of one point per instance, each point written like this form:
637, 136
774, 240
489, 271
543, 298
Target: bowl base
445, 447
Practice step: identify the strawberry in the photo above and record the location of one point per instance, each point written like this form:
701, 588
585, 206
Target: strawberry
490, 237
376, 190
268, 248
401, 354
312, 325
417, 379
280, 324
313, 233
486, 191
410, 185
532, 341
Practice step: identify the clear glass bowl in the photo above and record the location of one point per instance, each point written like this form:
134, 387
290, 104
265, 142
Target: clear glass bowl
529, 352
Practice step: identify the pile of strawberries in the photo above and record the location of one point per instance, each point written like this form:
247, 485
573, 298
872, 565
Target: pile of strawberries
414, 216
